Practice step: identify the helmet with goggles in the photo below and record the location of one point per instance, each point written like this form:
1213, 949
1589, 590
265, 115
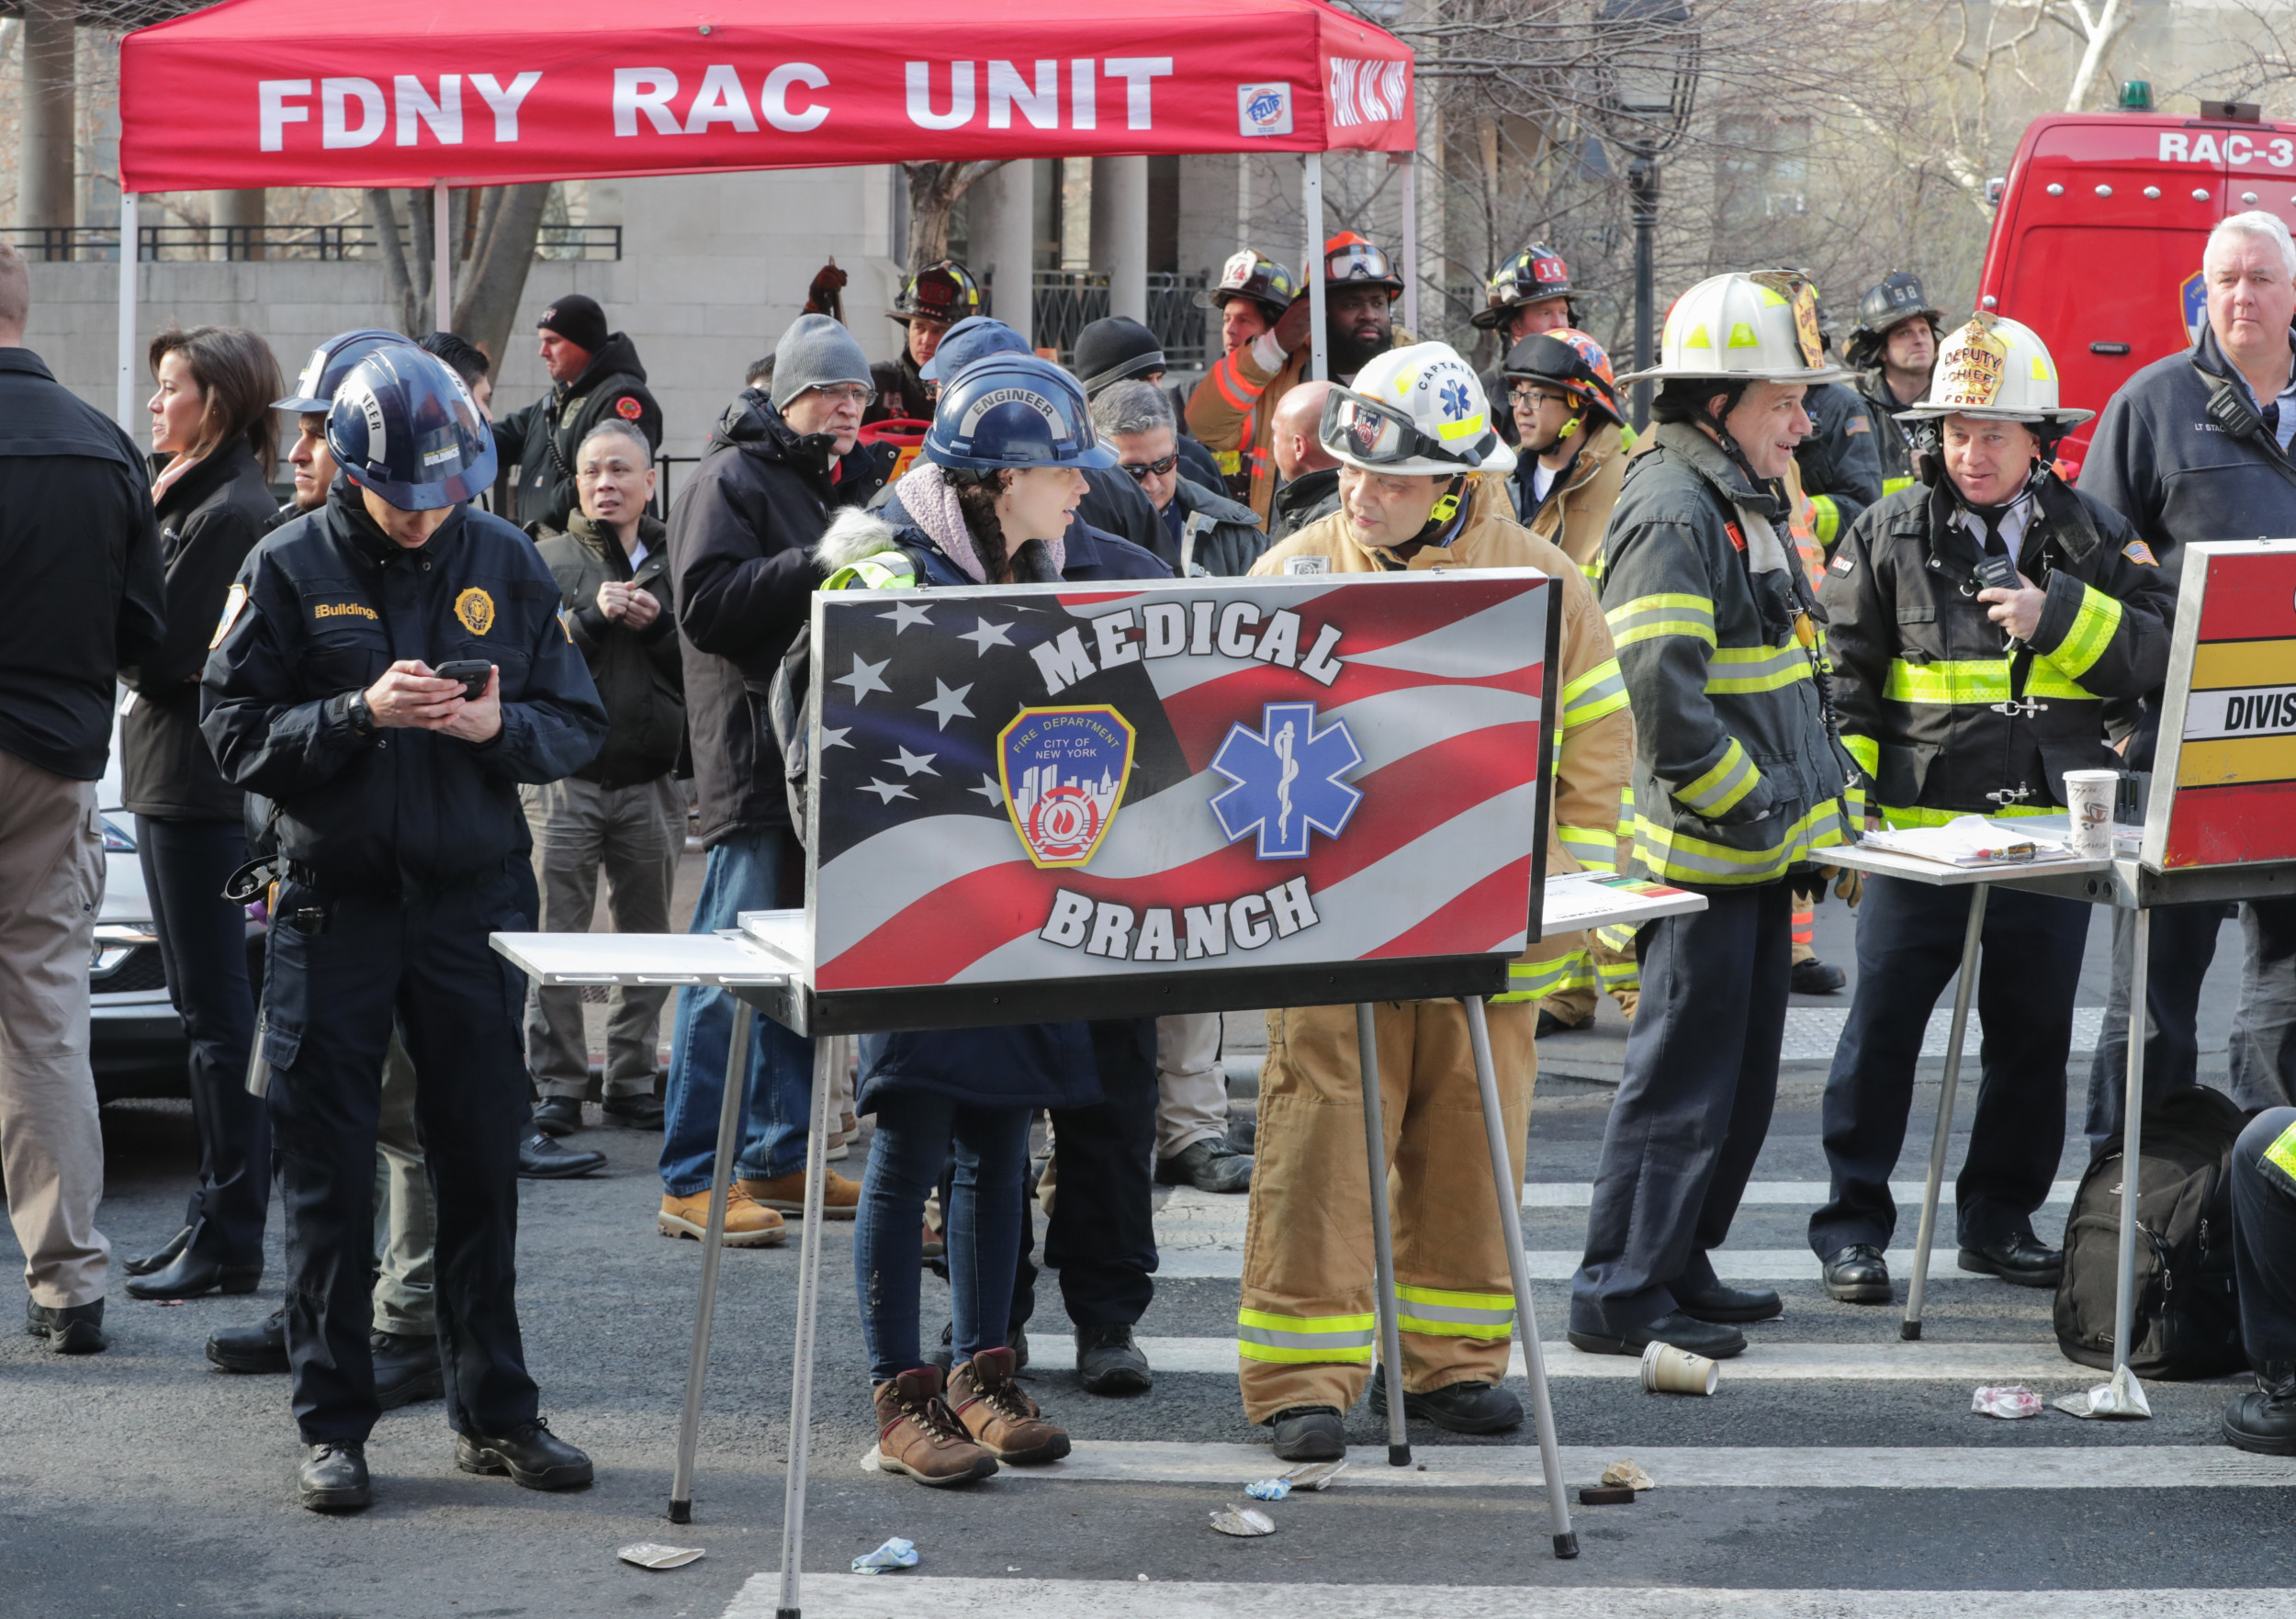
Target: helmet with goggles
1350, 259
1416, 412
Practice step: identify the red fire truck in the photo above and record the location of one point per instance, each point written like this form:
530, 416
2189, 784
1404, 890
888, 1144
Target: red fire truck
2096, 244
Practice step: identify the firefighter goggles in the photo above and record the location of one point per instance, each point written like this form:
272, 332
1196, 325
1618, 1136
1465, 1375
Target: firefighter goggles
1378, 436
1358, 261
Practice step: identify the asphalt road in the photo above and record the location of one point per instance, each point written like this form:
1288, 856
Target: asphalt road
142, 1483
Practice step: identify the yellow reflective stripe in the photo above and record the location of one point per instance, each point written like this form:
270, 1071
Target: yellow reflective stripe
1890, 486
1618, 974
1864, 749
1919, 815
2281, 1153
1645, 618
1535, 981
874, 573
1825, 519
1594, 848
1678, 857
2094, 626
1437, 1313
1601, 691
1299, 1339
1471, 427
1732, 777
1975, 680
1738, 670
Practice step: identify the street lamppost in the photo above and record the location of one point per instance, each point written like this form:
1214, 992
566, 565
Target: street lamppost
1644, 91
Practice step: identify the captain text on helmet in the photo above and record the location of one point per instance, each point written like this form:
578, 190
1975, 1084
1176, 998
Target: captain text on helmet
1232, 410
1423, 486
1979, 623
1738, 777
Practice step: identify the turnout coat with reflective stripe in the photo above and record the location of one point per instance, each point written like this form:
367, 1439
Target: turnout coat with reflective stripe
1736, 778
1934, 704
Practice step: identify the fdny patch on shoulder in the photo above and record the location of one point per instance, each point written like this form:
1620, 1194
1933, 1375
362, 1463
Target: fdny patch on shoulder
2138, 552
1841, 564
1860, 422
322, 610
234, 603
475, 608
566, 626
628, 409
1307, 565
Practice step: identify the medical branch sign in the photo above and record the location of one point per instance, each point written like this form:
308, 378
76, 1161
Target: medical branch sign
1049, 783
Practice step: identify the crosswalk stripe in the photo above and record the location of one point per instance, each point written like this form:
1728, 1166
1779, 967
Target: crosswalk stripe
1892, 1362
1468, 1466
904, 1596
1189, 1206
1560, 1265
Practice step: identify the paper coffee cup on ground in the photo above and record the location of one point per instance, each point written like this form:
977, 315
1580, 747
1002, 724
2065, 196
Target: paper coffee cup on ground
1668, 1370
2089, 796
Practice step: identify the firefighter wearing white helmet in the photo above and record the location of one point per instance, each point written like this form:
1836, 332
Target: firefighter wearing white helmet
1423, 484
1738, 777
1979, 622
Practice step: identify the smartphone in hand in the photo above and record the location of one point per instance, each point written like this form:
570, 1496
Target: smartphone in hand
471, 672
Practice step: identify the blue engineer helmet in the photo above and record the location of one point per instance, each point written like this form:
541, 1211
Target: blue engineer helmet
1013, 410
404, 425
330, 363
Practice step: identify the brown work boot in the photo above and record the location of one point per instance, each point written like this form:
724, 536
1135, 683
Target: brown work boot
1002, 1419
840, 1197
746, 1224
917, 1434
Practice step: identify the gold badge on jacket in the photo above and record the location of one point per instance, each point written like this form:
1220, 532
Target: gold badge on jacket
475, 608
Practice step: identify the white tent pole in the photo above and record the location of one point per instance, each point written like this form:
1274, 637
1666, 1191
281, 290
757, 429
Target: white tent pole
1410, 161
442, 254
1312, 203
128, 247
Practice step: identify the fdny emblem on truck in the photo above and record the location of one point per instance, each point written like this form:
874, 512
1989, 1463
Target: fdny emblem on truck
1063, 771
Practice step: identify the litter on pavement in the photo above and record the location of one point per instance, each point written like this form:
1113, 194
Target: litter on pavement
1243, 1522
2011, 1401
1315, 1475
1268, 1488
2123, 1399
646, 1553
895, 1553
1626, 1473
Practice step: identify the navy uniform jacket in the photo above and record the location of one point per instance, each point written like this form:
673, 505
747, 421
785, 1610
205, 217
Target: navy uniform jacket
322, 608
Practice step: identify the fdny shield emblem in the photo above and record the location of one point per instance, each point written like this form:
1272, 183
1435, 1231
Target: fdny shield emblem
1063, 771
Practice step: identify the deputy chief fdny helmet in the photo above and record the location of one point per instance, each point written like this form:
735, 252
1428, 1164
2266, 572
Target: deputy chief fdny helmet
330, 363
404, 425
1013, 410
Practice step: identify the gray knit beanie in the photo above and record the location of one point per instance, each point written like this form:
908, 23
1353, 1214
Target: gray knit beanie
814, 353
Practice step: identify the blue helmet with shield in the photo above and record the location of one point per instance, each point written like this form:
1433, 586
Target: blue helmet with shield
330, 363
1013, 410
404, 425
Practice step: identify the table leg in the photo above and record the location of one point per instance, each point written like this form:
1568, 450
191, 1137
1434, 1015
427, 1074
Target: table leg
825, 1051
729, 1113
1941, 1142
1383, 1240
2132, 1144
1509, 1190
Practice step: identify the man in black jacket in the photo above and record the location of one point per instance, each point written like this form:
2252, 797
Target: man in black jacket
78, 540
595, 376
404, 847
622, 810
2196, 446
1310, 489
740, 539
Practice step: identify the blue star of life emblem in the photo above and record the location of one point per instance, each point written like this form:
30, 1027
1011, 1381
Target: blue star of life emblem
1454, 398
1286, 780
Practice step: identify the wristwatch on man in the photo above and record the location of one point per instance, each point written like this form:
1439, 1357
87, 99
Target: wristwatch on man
361, 716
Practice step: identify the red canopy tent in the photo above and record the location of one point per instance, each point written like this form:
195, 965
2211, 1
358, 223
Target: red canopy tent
258, 93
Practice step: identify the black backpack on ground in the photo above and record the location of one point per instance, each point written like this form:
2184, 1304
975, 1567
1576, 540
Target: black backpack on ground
2188, 1315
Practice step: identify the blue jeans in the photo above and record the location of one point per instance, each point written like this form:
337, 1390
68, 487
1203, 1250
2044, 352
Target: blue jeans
918, 1133
744, 874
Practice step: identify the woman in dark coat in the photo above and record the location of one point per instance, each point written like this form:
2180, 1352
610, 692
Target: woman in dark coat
211, 419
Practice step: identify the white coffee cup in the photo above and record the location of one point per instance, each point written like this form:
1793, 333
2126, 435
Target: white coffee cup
2089, 796
1668, 1370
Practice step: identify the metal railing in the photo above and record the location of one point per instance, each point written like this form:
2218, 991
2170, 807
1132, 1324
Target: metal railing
1069, 300
189, 244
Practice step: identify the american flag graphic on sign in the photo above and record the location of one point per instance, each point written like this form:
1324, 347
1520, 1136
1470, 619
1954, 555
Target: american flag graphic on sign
1020, 785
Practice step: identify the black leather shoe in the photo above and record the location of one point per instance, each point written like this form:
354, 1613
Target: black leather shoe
1209, 1166
559, 1116
259, 1348
1857, 1274
71, 1329
1813, 977
406, 1369
1457, 1408
1729, 1304
2026, 1261
194, 1275
1243, 1132
332, 1479
1710, 1339
1110, 1363
534, 1457
1016, 1340
2264, 1421
639, 1112
542, 1158
161, 1257
1310, 1433
1548, 1024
